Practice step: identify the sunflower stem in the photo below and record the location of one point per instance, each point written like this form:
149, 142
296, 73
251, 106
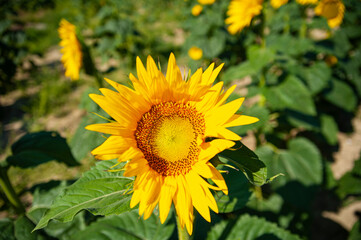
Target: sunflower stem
182, 232
9, 191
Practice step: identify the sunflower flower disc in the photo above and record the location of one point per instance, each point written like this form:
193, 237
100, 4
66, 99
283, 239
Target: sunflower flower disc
160, 131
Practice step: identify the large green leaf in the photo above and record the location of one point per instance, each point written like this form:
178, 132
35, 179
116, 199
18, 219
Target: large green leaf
341, 95
248, 162
316, 76
289, 45
41, 147
43, 197
259, 57
127, 226
238, 72
6, 229
84, 140
238, 191
249, 228
291, 94
98, 191
301, 162
23, 227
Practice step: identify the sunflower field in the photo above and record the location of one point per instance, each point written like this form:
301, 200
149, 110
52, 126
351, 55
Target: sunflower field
181, 119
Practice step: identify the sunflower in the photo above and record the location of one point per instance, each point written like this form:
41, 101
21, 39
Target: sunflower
196, 10
72, 54
241, 12
195, 53
306, 2
206, 2
278, 3
332, 10
167, 129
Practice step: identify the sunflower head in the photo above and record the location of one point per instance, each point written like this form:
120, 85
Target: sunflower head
240, 14
196, 10
71, 49
306, 2
206, 2
166, 129
278, 3
195, 53
332, 10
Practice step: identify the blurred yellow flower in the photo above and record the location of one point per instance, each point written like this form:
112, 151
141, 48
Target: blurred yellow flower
72, 54
305, 2
240, 14
195, 53
278, 3
332, 10
206, 2
331, 60
196, 10
160, 131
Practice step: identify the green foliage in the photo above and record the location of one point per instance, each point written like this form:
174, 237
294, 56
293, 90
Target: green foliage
247, 161
247, 228
127, 226
350, 182
238, 193
300, 162
37, 148
98, 191
7, 228
281, 61
291, 94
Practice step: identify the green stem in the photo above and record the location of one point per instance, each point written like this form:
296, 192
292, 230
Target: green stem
182, 232
9, 191
258, 192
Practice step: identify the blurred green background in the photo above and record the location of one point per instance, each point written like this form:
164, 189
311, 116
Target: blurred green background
300, 78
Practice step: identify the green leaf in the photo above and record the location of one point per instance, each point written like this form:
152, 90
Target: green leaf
316, 76
6, 229
272, 204
329, 129
214, 45
249, 228
23, 227
349, 184
98, 191
36, 148
341, 95
301, 162
238, 72
288, 44
238, 191
291, 94
259, 57
355, 233
84, 140
43, 197
127, 226
248, 162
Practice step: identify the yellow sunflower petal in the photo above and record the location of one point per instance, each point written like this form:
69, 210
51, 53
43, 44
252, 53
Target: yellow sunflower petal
210, 149
238, 120
166, 196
